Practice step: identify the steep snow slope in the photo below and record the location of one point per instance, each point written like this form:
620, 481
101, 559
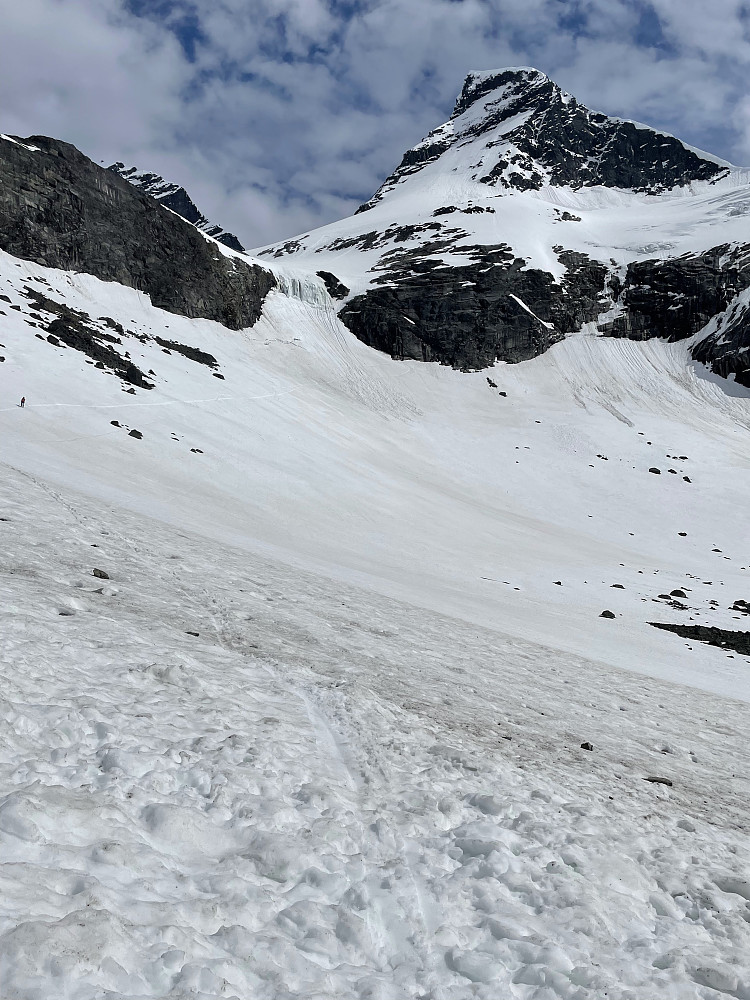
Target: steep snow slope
363, 777
421, 483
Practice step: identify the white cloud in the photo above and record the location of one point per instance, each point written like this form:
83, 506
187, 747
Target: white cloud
293, 111
83, 70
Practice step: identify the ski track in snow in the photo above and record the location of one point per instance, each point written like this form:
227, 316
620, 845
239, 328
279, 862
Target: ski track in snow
363, 778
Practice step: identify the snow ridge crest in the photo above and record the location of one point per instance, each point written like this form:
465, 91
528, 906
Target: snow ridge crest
516, 80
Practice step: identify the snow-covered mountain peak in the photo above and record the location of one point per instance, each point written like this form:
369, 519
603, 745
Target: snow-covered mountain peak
517, 130
526, 217
513, 83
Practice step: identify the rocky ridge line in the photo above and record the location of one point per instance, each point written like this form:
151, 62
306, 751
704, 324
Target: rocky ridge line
176, 198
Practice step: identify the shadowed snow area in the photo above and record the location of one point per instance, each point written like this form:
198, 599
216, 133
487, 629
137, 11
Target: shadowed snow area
363, 776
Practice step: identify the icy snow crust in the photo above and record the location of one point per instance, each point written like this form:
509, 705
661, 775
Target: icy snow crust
363, 777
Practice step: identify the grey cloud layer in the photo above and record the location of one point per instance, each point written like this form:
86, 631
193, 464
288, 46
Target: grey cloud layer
291, 112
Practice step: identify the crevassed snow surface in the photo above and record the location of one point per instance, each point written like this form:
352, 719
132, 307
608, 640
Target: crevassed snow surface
363, 776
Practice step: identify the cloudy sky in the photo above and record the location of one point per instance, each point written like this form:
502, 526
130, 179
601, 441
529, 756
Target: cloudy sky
281, 115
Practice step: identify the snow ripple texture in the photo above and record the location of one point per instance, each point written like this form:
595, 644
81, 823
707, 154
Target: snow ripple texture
309, 799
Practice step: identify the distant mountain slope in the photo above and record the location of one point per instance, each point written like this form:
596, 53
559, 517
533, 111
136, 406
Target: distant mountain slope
527, 217
60, 209
176, 197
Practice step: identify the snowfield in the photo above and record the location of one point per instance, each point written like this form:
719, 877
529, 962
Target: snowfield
317, 733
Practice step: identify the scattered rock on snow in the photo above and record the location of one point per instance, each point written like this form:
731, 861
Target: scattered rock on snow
587, 746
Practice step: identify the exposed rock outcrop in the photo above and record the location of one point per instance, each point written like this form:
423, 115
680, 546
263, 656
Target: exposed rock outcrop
739, 642
677, 298
469, 317
336, 289
59, 209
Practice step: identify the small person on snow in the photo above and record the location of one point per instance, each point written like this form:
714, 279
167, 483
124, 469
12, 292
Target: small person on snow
23, 401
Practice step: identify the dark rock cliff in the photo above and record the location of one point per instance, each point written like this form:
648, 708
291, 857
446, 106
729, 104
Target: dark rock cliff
728, 352
59, 209
471, 316
580, 147
677, 298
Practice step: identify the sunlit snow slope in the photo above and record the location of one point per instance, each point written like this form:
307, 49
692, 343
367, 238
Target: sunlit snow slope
362, 777
413, 480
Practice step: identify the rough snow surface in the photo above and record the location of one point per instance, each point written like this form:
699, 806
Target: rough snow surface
330, 794
363, 777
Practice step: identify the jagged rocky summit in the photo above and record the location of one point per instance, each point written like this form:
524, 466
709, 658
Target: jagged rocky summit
527, 217
176, 198
59, 209
539, 135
